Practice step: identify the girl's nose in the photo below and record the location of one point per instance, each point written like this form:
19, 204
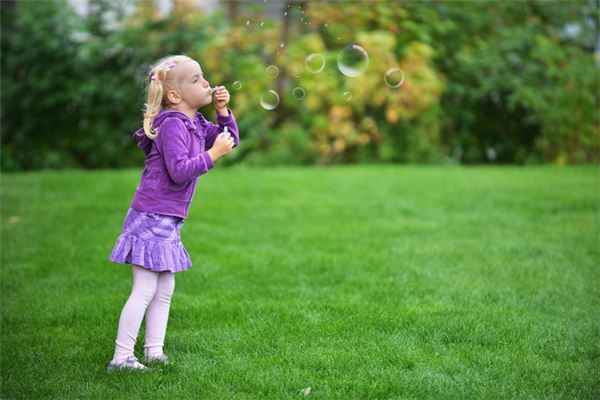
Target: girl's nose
205, 83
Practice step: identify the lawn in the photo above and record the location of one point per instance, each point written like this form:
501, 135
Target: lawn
358, 282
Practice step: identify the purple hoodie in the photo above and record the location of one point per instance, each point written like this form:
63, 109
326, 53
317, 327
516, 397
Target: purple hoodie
175, 159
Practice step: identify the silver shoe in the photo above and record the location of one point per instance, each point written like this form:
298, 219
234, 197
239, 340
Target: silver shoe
131, 363
163, 359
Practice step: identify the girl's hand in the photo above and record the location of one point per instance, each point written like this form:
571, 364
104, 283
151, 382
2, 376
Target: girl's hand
221, 100
223, 145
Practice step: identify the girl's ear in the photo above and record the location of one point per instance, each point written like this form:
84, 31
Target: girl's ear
174, 97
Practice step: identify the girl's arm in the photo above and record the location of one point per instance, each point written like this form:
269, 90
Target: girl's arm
213, 130
173, 145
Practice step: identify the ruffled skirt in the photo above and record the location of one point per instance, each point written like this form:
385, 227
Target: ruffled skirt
152, 241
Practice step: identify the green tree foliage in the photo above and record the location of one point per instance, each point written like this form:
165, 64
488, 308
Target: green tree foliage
38, 114
518, 81
484, 81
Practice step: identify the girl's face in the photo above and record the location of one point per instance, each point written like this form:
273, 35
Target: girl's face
194, 89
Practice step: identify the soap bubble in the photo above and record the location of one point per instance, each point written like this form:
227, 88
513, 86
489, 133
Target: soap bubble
315, 63
269, 100
272, 71
495, 97
237, 85
457, 153
262, 23
490, 153
394, 77
281, 45
347, 96
352, 61
285, 13
298, 93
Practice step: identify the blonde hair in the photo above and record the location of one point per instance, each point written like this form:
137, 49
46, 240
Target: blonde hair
160, 80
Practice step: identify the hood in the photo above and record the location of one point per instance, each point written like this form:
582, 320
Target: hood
144, 142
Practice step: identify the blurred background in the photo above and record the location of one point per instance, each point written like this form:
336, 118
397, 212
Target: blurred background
311, 82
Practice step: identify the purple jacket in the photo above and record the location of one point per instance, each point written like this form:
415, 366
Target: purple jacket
175, 160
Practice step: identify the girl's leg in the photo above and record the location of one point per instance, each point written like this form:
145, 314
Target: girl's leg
144, 287
158, 314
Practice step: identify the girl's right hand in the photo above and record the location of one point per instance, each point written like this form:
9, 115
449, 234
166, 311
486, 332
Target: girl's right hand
223, 145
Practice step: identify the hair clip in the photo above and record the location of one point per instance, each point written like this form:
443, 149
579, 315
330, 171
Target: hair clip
167, 65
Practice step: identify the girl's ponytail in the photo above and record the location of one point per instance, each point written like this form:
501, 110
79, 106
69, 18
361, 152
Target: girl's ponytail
155, 99
156, 91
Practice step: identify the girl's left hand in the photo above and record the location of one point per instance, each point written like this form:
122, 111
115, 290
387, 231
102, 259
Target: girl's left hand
221, 99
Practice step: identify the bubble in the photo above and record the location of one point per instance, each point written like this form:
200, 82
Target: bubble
490, 153
347, 96
315, 63
457, 153
262, 23
285, 14
281, 45
394, 77
326, 25
269, 100
352, 61
298, 93
495, 97
237, 85
248, 23
272, 71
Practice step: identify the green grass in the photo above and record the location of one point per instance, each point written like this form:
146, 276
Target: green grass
360, 282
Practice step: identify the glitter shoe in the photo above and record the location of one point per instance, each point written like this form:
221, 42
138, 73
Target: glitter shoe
162, 359
131, 363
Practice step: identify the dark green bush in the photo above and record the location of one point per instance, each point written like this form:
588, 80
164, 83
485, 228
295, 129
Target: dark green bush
509, 82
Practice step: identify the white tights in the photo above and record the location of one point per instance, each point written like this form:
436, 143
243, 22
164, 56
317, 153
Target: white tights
151, 290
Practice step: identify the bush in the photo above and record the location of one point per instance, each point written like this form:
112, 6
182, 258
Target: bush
484, 82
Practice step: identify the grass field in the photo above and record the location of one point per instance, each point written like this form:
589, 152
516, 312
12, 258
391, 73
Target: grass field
358, 282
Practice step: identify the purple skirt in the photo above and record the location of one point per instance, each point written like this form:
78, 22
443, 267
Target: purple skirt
152, 241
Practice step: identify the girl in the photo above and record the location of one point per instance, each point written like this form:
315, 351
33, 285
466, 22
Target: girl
175, 138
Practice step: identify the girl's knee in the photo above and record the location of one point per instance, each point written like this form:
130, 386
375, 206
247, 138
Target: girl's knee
144, 293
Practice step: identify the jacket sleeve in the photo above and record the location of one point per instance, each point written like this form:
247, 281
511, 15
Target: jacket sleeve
174, 147
213, 130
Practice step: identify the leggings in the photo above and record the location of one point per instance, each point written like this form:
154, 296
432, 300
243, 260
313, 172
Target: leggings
153, 291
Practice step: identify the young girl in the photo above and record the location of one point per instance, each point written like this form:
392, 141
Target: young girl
175, 138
